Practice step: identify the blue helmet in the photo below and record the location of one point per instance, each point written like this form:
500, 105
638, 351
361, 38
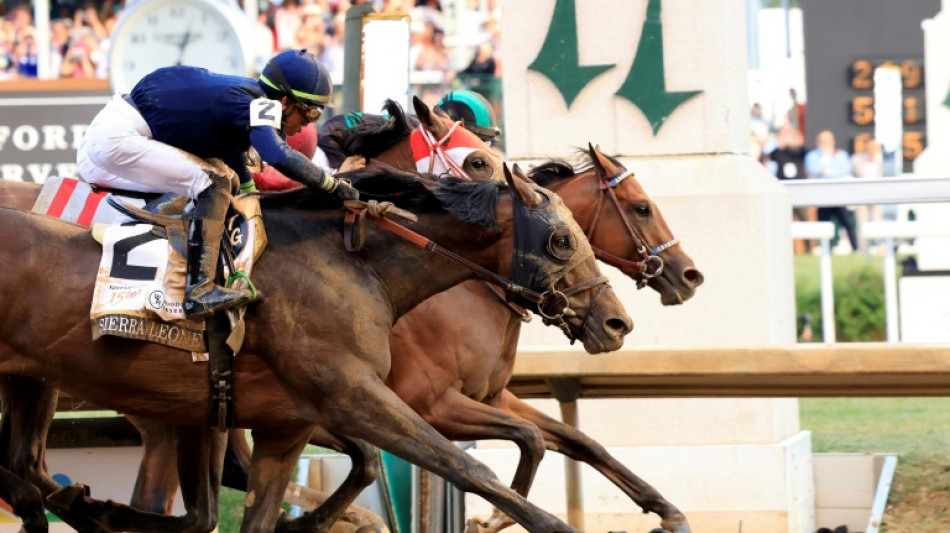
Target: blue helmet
299, 75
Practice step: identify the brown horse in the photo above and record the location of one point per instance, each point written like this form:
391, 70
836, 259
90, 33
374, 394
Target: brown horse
468, 401
432, 325
325, 368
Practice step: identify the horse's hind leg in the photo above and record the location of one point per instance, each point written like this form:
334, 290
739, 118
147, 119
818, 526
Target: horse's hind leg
365, 469
25, 500
157, 480
571, 442
200, 452
28, 410
459, 417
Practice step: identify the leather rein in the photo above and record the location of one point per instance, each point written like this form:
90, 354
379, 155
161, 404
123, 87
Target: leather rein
552, 304
651, 264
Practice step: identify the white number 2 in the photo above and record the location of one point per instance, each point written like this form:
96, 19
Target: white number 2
265, 112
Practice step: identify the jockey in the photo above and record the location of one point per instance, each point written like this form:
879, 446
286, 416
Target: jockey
146, 140
474, 111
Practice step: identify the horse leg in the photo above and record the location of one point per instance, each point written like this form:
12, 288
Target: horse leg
459, 417
25, 500
571, 442
272, 464
200, 453
157, 480
364, 408
366, 468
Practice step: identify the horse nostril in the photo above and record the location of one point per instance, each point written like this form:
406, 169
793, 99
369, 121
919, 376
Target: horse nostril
693, 277
619, 326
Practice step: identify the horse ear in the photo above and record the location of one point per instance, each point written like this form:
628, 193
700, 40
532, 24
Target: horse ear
600, 162
521, 186
426, 116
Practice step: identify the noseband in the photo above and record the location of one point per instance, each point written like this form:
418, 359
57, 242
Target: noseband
437, 148
651, 264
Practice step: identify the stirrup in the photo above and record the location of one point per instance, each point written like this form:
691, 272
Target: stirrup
220, 299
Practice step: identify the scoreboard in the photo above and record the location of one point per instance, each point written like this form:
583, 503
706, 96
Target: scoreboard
845, 41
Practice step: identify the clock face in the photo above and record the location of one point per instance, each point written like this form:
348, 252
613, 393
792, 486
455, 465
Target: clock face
162, 33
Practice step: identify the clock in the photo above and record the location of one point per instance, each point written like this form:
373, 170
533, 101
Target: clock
160, 33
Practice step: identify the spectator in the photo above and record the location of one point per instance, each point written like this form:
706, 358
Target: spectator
787, 162
760, 129
868, 162
479, 75
24, 54
287, 20
312, 32
827, 161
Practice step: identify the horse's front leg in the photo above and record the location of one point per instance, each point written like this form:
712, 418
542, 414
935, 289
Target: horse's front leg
365, 469
272, 464
571, 442
363, 407
459, 417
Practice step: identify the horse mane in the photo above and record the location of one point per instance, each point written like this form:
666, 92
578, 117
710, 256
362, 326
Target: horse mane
470, 201
369, 138
558, 169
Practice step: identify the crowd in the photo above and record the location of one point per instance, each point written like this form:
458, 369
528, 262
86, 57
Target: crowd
453, 48
784, 152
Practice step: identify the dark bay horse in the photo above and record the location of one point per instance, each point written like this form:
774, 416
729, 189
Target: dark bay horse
435, 353
323, 367
443, 401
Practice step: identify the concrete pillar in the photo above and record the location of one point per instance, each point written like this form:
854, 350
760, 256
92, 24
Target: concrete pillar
933, 253
663, 85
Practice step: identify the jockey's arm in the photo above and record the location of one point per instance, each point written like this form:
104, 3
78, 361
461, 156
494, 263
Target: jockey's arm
289, 162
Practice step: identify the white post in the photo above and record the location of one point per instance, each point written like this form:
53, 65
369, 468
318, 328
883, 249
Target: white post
827, 292
890, 291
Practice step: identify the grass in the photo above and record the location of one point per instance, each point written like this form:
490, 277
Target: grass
916, 429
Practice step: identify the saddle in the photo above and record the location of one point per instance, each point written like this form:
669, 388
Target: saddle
141, 279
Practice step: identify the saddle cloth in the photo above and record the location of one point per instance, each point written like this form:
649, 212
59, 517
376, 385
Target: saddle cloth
140, 286
73, 200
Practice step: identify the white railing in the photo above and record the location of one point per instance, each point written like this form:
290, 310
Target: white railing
857, 191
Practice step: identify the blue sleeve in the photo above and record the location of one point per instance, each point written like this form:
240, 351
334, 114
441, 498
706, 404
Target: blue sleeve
289, 162
812, 160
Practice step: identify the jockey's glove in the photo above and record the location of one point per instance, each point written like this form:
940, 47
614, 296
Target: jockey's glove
344, 191
248, 186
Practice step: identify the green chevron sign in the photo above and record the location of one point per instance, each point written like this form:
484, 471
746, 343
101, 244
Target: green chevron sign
645, 84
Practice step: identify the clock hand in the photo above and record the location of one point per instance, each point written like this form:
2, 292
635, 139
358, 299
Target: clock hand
183, 43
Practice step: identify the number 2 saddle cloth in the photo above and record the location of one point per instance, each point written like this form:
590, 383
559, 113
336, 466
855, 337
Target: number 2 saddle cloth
140, 285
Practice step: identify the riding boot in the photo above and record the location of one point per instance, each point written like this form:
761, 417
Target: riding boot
203, 297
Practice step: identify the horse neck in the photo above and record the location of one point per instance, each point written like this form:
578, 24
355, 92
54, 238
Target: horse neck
399, 156
411, 274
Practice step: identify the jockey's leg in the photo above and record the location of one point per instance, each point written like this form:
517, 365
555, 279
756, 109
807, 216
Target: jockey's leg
202, 296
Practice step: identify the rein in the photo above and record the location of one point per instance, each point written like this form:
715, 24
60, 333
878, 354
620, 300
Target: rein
553, 305
651, 264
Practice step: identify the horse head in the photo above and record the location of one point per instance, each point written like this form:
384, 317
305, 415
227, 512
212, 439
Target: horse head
625, 227
678, 278
551, 255
452, 148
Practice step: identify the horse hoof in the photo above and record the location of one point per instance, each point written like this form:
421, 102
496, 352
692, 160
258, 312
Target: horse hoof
474, 525
65, 497
373, 529
678, 525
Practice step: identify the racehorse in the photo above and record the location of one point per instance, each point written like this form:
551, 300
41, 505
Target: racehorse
324, 368
433, 351
445, 404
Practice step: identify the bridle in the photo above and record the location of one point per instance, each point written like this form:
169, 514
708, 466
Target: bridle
436, 148
553, 305
651, 264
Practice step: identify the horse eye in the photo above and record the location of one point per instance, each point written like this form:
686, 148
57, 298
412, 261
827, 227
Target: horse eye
561, 245
642, 209
479, 164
